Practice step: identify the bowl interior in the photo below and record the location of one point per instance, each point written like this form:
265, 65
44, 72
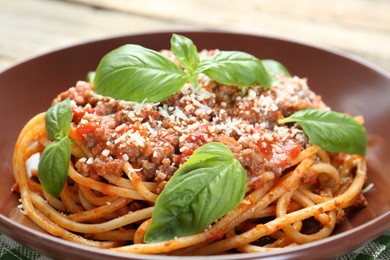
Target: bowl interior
345, 83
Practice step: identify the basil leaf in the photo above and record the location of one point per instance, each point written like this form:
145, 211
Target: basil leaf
210, 184
53, 166
57, 120
54, 163
235, 68
134, 73
274, 67
185, 52
334, 132
90, 76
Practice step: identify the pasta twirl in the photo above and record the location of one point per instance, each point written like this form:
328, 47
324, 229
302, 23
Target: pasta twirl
124, 153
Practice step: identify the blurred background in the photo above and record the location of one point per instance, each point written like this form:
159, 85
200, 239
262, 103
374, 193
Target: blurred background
359, 27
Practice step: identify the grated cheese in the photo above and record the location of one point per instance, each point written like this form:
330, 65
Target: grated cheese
247, 117
105, 152
90, 160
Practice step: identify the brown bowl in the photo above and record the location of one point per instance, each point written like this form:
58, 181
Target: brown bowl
346, 83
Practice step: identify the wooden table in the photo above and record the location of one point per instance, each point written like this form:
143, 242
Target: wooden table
360, 27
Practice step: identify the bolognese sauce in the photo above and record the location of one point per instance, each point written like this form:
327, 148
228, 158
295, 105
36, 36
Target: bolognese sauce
231, 164
159, 137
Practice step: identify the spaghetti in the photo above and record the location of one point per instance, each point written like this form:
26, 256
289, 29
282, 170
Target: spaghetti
123, 154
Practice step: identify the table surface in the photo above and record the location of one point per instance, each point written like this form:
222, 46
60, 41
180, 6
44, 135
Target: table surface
31, 27
359, 27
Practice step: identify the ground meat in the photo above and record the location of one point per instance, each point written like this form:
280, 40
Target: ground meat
361, 201
227, 94
102, 166
159, 137
148, 170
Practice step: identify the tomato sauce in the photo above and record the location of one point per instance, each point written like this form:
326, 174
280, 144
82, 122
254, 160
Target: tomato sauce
159, 137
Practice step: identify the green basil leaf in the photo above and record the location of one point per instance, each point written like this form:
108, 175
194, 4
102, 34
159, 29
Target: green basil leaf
334, 132
53, 166
235, 68
210, 184
274, 67
90, 76
134, 73
57, 120
185, 52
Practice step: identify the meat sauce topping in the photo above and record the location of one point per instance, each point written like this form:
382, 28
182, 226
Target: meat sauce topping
159, 137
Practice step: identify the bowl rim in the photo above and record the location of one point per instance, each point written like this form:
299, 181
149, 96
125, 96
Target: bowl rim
290, 39
8, 226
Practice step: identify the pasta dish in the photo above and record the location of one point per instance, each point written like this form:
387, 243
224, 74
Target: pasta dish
211, 168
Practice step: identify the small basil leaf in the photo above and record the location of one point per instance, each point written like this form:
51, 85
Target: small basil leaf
235, 68
210, 184
57, 120
334, 132
275, 68
91, 76
53, 166
134, 73
212, 150
185, 52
